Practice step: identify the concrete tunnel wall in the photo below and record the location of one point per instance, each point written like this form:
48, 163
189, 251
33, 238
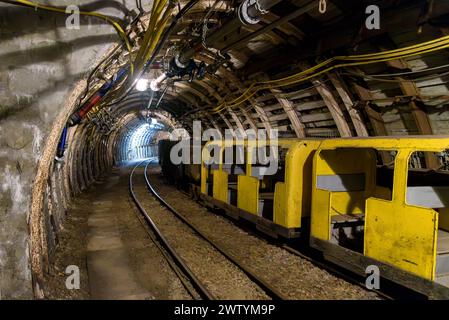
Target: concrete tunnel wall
43, 70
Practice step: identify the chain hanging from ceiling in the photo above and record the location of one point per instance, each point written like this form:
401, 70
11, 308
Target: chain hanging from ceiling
322, 6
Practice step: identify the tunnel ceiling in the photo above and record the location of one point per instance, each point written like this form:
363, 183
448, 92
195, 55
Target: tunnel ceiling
395, 97
265, 73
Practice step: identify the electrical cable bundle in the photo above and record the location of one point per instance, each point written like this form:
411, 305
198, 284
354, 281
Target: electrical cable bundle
335, 63
159, 46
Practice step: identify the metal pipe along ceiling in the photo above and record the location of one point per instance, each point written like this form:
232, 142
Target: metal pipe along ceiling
253, 11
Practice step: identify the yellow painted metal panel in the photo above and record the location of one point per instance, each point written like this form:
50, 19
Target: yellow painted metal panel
205, 157
347, 202
398, 234
415, 143
248, 194
280, 204
220, 187
304, 171
320, 222
401, 235
295, 191
203, 178
345, 161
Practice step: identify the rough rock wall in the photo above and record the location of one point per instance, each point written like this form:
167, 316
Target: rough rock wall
41, 65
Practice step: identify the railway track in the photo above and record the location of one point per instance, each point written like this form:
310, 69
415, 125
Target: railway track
333, 270
303, 254
189, 279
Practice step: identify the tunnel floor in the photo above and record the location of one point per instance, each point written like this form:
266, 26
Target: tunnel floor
106, 237
106, 240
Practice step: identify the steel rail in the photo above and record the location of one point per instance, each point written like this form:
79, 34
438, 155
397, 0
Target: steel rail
332, 270
182, 277
267, 287
198, 285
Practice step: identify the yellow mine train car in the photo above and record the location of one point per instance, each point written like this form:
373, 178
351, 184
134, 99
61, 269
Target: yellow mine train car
395, 217
378, 201
278, 203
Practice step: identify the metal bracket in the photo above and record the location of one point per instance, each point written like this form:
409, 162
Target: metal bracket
179, 64
322, 6
243, 15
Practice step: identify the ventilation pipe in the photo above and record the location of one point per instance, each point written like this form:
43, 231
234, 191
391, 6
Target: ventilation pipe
155, 84
248, 13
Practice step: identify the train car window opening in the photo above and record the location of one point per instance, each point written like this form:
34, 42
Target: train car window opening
350, 176
385, 174
234, 165
211, 160
262, 157
428, 188
346, 178
234, 154
444, 160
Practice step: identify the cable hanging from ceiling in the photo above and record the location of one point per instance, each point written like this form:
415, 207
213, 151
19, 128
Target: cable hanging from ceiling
163, 38
336, 63
117, 88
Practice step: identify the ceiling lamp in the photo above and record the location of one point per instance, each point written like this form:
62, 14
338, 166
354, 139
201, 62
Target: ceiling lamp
142, 85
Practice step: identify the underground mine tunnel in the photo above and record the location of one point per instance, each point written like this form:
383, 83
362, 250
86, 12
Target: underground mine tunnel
217, 149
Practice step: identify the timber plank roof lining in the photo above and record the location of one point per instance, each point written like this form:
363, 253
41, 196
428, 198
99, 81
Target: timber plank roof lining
313, 37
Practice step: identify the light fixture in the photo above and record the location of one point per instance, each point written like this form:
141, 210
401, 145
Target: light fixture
142, 85
155, 83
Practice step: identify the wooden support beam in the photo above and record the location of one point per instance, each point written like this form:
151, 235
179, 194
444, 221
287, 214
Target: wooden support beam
334, 108
376, 120
409, 88
262, 114
189, 88
355, 115
377, 123
212, 121
237, 121
259, 109
422, 121
375, 117
290, 110
228, 123
333, 35
248, 117
210, 90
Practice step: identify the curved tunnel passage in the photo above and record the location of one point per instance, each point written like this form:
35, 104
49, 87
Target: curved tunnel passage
139, 140
43, 83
